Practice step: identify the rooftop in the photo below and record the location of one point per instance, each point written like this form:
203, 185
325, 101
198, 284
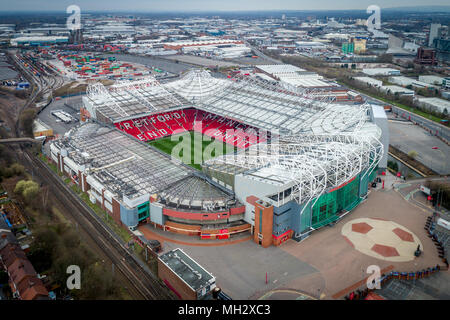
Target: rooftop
187, 269
130, 168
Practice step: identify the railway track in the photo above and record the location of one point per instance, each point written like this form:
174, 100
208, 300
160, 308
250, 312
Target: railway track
143, 282
44, 84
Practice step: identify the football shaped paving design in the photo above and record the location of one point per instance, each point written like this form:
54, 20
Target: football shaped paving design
404, 235
361, 227
385, 251
380, 238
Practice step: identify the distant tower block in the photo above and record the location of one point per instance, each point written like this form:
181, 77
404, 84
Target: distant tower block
283, 17
76, 36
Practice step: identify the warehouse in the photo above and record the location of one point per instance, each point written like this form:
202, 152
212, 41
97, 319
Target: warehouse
381, 72
405, 82
396, 90
39, 41
370, 81
435, 104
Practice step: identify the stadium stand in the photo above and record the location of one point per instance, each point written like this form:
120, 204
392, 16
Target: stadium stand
165, 124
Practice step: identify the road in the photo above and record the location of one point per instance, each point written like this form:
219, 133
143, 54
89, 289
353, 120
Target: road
143, 282
431, 151
434, 128
261, 54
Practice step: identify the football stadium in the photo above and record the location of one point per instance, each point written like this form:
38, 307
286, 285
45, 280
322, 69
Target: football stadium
214, 157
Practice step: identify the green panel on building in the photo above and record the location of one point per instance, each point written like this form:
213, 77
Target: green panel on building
348, 48
325, 210
143, 211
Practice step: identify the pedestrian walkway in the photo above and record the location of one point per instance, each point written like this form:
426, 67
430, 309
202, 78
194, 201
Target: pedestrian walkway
382, 239
151, 233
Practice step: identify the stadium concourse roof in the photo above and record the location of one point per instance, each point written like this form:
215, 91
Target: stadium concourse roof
277, 108
127, 167
131, 98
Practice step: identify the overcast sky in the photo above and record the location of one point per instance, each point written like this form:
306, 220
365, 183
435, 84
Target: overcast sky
206, 5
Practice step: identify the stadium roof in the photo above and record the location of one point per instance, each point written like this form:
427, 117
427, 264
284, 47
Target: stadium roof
279, 108
197, 84
321, 144
130, 168
131, 98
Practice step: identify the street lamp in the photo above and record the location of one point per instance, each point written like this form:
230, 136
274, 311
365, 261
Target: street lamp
445, 162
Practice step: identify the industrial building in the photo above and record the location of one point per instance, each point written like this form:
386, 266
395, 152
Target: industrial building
294, 76
405, 82
381, 72
184, 276
38, 40
370, 81
434, 80
435, 104
396, 90
183, 44
301, 162
426, 56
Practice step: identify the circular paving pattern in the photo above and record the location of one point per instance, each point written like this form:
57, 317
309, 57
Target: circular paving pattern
382, 239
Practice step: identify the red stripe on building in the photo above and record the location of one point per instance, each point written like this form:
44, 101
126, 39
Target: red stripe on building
342, 185
281, 235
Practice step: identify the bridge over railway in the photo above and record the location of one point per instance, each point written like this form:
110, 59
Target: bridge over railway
19, 140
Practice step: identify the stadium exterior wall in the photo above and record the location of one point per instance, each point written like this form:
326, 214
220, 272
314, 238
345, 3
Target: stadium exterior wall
200, 216
287, 222
126, 213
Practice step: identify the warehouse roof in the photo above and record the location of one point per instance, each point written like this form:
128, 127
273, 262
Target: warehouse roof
276, 69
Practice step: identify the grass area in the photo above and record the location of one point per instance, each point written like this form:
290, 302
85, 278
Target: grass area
201, 148
61, 218
102, 214
152, 263
50, 164
97, 209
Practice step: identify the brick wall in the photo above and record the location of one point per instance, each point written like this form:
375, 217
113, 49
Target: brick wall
264, 226
177, 285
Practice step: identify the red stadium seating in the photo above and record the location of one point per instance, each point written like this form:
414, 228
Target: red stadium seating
168, 123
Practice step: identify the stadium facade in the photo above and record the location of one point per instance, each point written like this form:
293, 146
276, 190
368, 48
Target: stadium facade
301, 162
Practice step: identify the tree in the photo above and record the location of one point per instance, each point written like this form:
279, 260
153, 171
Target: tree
26, 121
28, 189
22, 185
18, 169
412, 154
30, 193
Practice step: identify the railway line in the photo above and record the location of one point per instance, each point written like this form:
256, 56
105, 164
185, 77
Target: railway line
42, 83
143, 281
